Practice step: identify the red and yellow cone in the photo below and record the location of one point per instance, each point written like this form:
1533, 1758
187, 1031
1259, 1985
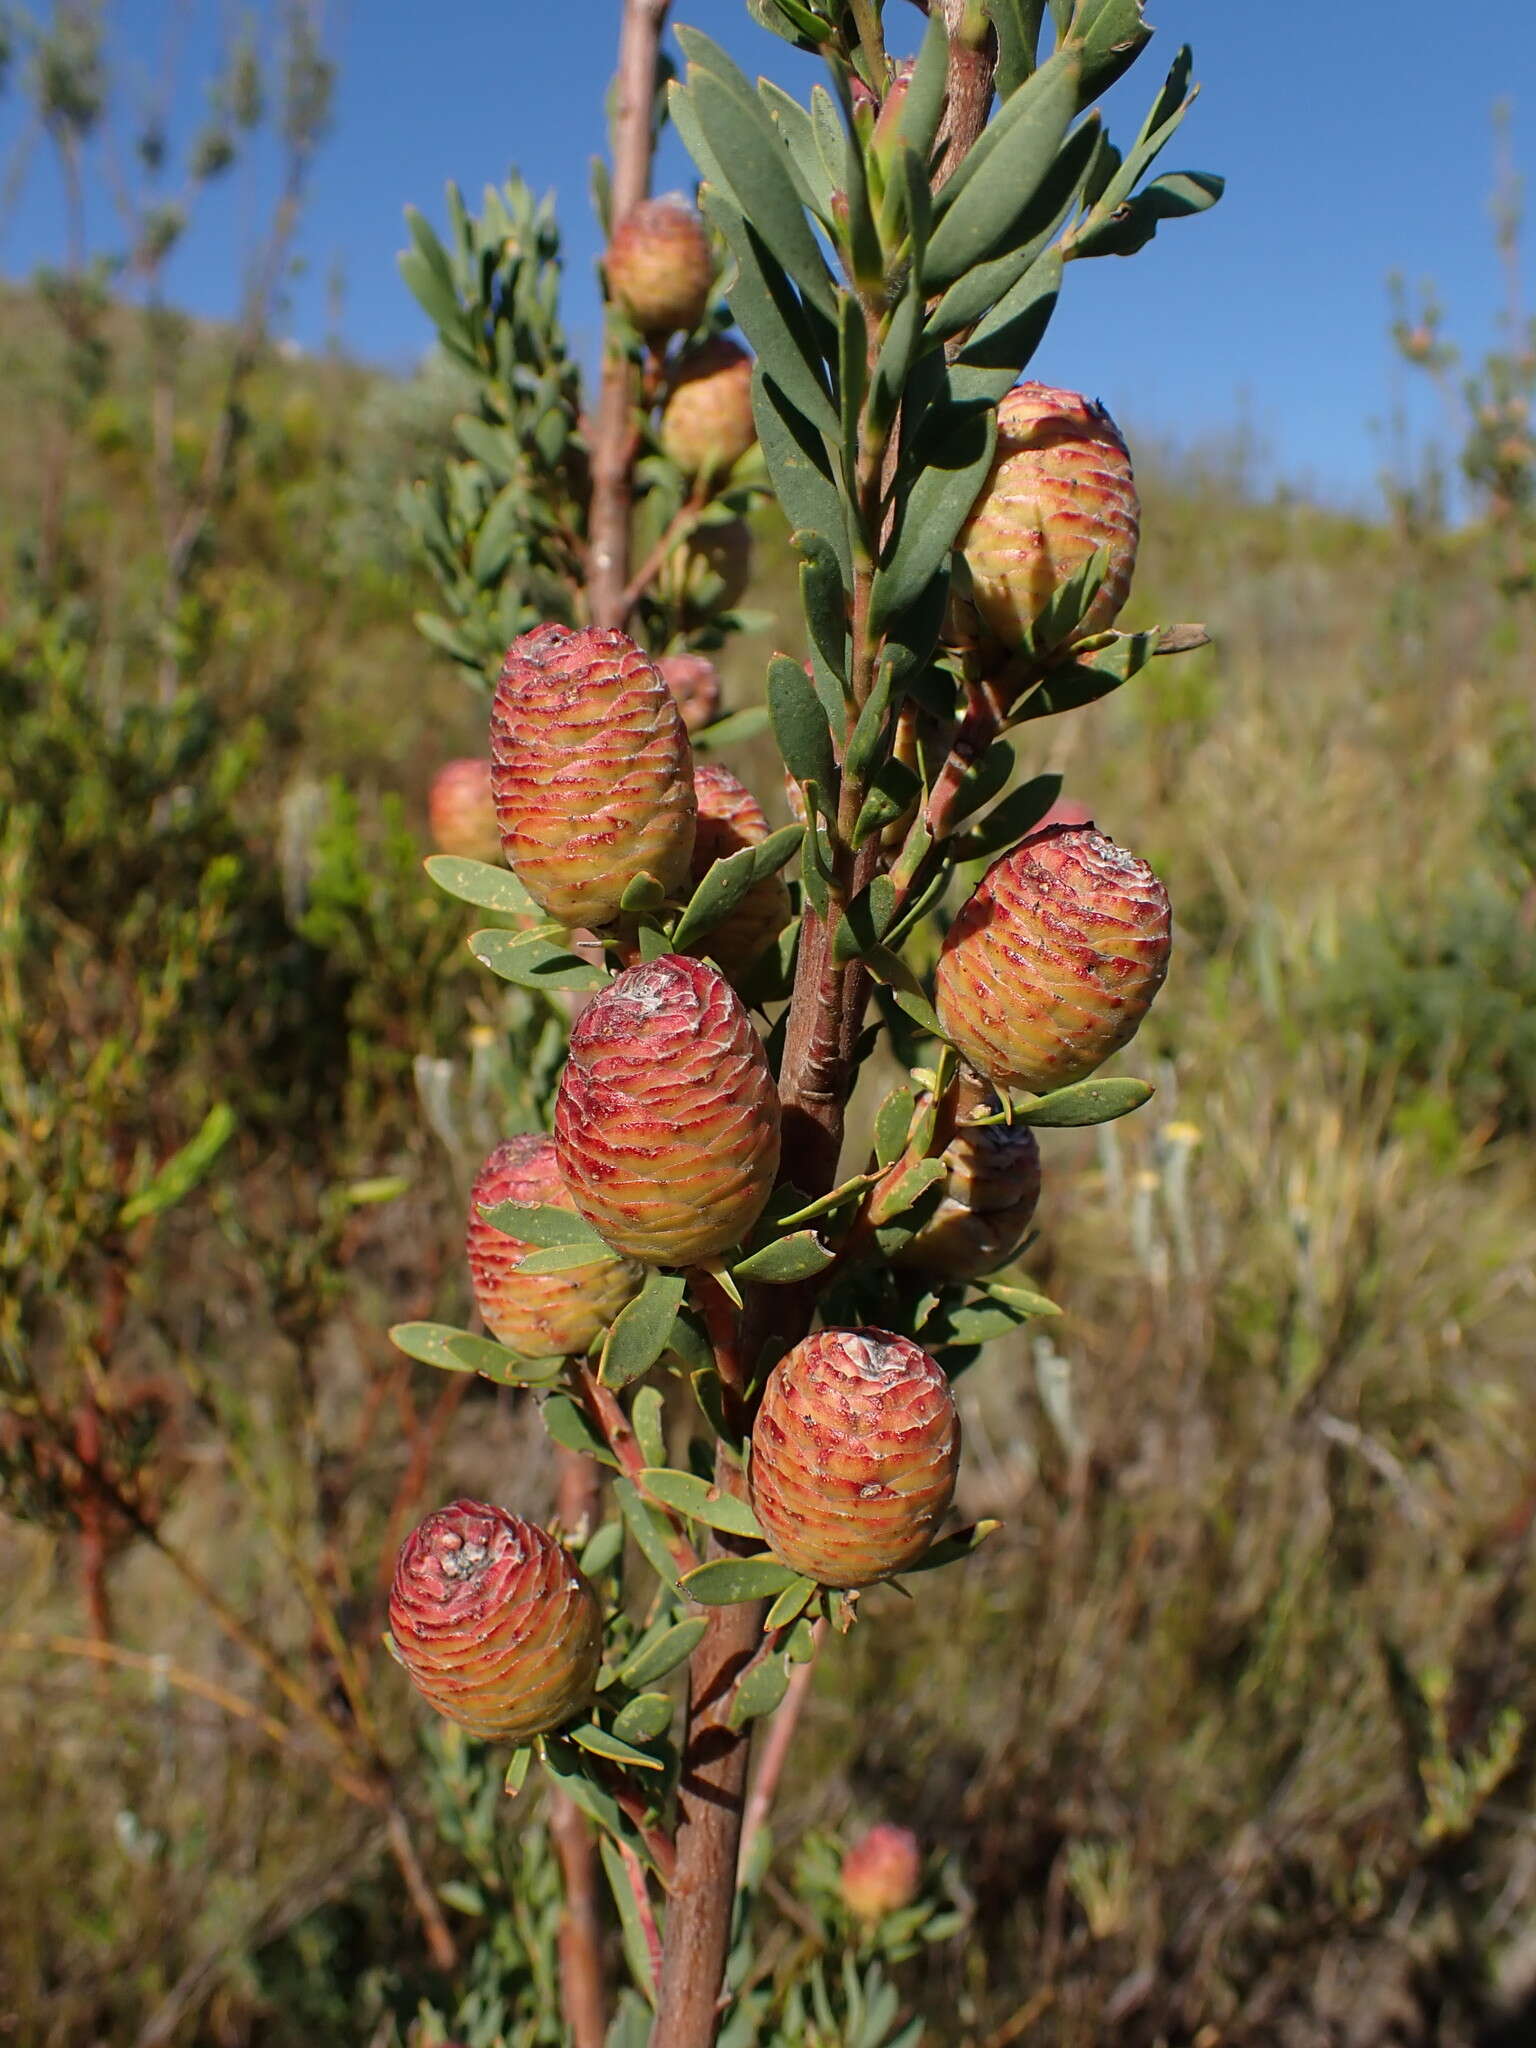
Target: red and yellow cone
539, 1315
990, 1193
855, 1452
731, 818
1060, 488
461, 811
694, 682
1053, 963
667, 1117
593, 773
881, 1872
659, 265
494, 1622
706, 420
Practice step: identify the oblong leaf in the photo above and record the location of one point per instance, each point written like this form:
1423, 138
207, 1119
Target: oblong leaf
543, 1223
654, 1658
800, 1256
800, 724
700, 1501
534, 962
759, 1692
646, 1717
599, 1741
725, 1580
1085, 1102
642, 1329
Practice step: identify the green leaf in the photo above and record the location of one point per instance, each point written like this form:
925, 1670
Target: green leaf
646, 1717
909, 992
567, 1424
800, 1256
563, 1258
962, 1544
759, 1692
429, 1344
544, 1223
893, 1120
798, 466
649, 1530
791, 1603
989, 204
642, 895
1085, 1102
731, 731
656, 1656
897, 1196
869, 733
896, 788
716, 896
601, 1742
534, 962
700, 1501
602, 1548
1018, 24
938, 497
866, 920
725, 1580
824, 601
800, 724
517, 1771
1014, 819
1024, 1301
637, 1946
569, 1768
641, 1329
990, 362
1109, 35
1171, 197
183, 1170
748, 159
769, 312
1069, 603
647, 1418
453, 1350
478, 881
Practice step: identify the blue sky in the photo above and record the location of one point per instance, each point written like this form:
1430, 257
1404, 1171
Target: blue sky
1355, 135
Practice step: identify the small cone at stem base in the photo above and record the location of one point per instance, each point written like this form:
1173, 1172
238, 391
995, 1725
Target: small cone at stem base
461, 811
881, 1872
659, 266
855, 1452
495, 1624
706, 421
731, 818
991, 1190
540, 1315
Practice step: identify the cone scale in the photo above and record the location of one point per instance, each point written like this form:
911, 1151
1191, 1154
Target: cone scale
495, 1624
855, 1452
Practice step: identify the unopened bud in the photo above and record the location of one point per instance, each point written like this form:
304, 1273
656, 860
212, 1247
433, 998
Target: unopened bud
881, 1872
540, 1315
660, 268
494, 1622
1053, 963
706, 422
694, 682
461, 811
854, 1455
990, 1192
593, 772
667, 1117
1060, 489
730, 818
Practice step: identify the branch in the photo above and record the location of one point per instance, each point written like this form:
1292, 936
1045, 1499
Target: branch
613, 441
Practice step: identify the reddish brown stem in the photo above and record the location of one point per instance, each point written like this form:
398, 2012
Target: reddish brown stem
401, 1846
582, 2000
613, 441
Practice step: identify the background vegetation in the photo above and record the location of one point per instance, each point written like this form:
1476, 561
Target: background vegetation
1226, 1739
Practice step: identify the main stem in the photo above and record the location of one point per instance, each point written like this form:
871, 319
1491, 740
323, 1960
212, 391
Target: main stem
613, 443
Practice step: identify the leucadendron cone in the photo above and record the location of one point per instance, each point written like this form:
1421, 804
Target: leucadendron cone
494, 1622
731, 818
659, 266
990, 1191
1053, 963
854, 1455
540, 1315
462, 811
706, 420
667, 1117
1060, 488
593, 773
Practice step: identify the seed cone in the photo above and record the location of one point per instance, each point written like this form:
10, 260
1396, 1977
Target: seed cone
695, 685
730, 818
461, 811
1053, 963
706, 423
494, 1623
593, 771
854, 1455
989, 1199
659, 266
881, 1872
1060, 488
540, 1315
667, 1118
